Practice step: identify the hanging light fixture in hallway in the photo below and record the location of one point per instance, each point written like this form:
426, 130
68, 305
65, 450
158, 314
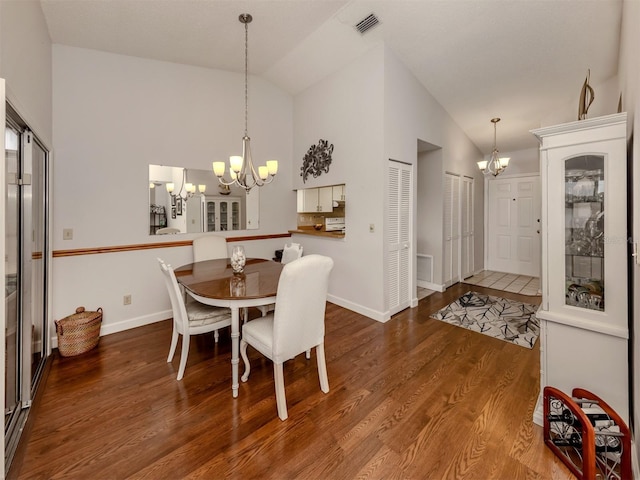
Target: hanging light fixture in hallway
495, 165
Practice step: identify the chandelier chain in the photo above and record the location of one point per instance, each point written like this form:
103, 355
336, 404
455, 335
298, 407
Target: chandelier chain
246, 77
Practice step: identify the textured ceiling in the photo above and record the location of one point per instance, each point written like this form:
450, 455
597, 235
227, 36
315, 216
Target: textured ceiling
516, 59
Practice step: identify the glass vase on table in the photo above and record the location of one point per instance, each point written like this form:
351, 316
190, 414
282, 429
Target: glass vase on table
238, 259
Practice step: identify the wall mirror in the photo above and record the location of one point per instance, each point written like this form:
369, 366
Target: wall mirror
195, 202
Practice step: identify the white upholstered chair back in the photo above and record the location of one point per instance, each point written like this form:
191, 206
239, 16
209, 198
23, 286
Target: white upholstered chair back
209, 247
180, 318
298, 323
296, 326
291, 252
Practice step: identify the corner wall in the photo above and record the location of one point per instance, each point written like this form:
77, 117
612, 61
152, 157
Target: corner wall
629, 76
410, 114
25, 64
346, 109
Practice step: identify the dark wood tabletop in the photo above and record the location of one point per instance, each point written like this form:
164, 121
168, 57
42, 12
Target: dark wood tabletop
215, 279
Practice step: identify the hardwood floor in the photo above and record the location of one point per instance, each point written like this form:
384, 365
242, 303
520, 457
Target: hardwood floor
414, 398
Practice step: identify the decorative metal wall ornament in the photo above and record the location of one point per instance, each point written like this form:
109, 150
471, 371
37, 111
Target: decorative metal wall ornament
316, 160
586, 98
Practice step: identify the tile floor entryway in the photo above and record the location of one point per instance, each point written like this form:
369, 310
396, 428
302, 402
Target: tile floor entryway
508, 282
424, 292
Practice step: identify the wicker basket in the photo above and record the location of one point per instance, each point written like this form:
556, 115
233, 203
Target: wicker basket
78, 333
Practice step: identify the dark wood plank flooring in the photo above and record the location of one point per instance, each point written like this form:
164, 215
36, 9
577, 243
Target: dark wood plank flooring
413, 398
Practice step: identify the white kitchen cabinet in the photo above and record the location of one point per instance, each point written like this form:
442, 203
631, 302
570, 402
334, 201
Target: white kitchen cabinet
583, 315
315, 200
338, 193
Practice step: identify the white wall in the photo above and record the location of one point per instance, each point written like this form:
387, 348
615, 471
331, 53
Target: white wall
346, 109
372, 110
605, 102
113, 116
25, 63
411, 113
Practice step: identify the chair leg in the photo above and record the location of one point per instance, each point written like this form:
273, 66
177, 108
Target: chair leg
281, 399
184, 355
216, 336
322, 368
245, 359
174, 344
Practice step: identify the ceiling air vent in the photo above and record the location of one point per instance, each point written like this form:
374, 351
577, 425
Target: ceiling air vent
367, 23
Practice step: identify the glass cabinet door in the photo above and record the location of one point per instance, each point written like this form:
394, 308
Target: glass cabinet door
235, 215
584, 191
211, 216
224, 216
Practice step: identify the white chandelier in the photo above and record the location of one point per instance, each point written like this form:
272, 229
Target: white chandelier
241, 169
495, 165
189, 189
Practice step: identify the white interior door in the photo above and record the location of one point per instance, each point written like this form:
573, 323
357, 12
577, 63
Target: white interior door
513, 231
451, 230
399, 235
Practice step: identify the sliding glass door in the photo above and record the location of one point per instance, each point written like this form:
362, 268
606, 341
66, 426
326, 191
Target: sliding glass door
26, 271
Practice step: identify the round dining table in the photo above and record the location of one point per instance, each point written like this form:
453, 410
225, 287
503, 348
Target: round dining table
213, 282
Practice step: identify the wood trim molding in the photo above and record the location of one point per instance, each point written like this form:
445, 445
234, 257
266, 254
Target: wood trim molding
148, 246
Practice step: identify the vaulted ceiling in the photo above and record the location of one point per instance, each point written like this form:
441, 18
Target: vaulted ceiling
514, 59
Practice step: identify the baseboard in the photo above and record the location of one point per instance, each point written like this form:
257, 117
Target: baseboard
127, 324
367, 312
430, 285
538, 413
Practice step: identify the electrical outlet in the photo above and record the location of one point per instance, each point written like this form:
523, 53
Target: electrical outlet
67, 233
126, 300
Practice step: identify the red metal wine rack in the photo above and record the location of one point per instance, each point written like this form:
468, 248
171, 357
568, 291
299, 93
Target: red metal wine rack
587, 435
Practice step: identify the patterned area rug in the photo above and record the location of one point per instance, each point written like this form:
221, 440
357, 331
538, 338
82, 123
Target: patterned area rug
497, 317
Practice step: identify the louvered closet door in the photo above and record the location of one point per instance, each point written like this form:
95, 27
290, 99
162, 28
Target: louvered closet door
466, 227
451, 214
399, 236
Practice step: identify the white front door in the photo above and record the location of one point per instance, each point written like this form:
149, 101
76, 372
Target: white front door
513, 230
399, 235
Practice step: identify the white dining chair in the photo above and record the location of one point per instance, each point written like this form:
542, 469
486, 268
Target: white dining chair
190, 317
291, 252
209, 247
296, 325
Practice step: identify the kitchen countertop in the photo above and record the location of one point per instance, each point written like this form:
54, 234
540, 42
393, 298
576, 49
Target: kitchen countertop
317, 233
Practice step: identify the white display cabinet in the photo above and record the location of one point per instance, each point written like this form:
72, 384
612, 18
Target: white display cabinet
584, 311
222, 214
